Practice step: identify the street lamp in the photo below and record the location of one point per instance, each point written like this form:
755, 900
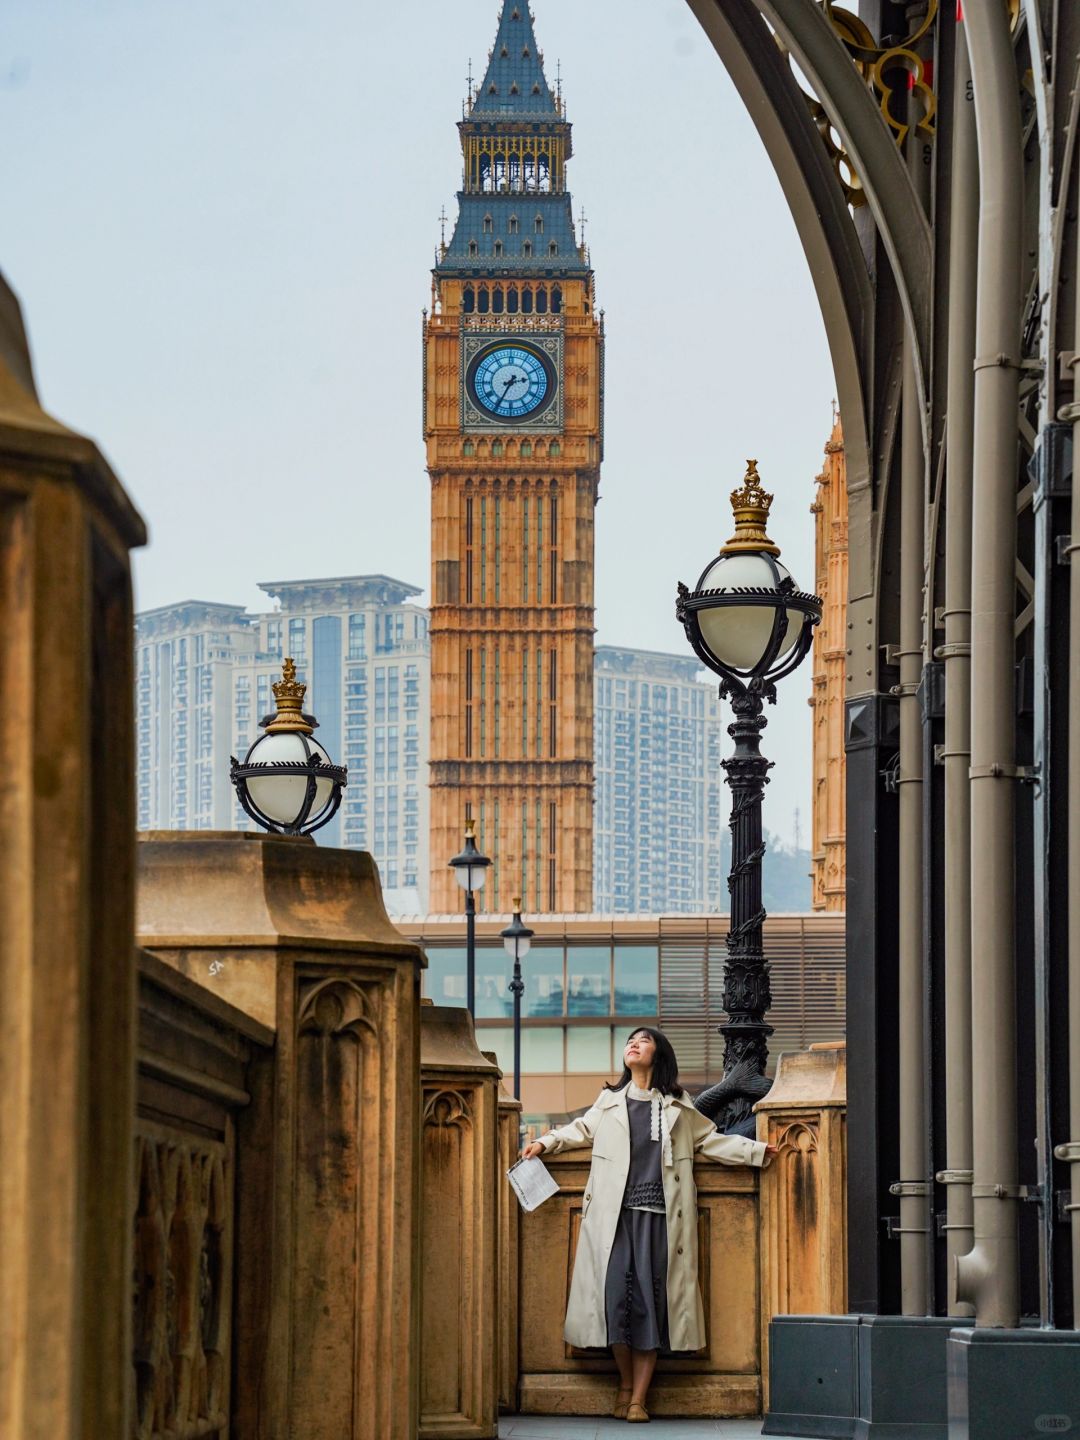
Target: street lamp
470, 867
747, 622
517, 939
287, 782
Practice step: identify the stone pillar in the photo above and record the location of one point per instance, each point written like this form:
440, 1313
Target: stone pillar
67, 967
459, 1232
803, 1210
509, 1260
327, 1175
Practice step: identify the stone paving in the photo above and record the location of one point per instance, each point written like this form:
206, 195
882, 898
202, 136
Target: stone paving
589, 1427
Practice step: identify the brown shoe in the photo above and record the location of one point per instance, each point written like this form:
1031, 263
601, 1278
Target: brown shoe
636, 1413
621, 1406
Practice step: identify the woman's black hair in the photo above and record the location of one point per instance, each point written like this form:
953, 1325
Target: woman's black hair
665, 1067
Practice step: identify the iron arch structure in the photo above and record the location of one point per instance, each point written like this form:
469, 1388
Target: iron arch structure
931, 166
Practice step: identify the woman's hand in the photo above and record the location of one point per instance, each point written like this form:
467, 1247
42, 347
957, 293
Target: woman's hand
532, 1150
770, 1153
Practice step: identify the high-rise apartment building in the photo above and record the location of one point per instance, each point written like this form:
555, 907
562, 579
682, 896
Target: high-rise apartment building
513, 389
203, 678
661, 811
185, 657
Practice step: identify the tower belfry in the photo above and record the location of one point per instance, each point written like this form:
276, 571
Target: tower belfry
513, 391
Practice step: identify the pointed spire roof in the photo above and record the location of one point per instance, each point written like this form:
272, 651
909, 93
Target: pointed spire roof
514, 85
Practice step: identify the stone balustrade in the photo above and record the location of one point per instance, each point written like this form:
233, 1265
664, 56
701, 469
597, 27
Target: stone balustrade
459, 1230
327, 1154
723, 1379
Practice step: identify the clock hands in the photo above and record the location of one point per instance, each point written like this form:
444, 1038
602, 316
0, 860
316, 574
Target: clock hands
513, 380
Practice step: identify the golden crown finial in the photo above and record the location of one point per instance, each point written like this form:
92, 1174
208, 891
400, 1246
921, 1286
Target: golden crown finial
289, 695
751, 506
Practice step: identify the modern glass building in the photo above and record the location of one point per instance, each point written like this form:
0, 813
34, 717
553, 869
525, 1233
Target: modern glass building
589, 979
659, 814
204, 676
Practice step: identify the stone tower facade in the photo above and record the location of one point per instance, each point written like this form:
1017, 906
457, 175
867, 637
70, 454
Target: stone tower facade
513, 423
828, 845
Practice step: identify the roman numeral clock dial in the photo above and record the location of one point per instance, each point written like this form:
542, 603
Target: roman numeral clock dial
509, 382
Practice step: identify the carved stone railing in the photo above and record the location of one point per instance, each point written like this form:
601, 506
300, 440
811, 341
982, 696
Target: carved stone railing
327, 1149
770, 1243
722, 1379
803, 1193
194, 1051
509, 1251
459, 1230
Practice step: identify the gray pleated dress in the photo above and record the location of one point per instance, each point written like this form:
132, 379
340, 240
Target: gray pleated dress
635, 1290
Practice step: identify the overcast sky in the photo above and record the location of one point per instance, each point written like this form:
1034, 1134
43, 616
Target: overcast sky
220, 216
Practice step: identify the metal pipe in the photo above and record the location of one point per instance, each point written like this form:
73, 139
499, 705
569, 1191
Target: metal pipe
911, 1186
988, 1276
956, 655
1071, 1150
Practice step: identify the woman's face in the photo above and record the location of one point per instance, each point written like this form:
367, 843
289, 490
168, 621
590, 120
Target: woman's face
640, 1050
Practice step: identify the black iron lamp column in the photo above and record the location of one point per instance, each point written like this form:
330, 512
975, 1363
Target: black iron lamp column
747, 622
470, 867
517, 939
287, 782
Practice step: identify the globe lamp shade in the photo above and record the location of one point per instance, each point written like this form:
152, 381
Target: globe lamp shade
470, 866
746, 618
287, 782
517, 938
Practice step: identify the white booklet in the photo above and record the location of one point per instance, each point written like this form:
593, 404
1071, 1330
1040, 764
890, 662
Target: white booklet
532, 1182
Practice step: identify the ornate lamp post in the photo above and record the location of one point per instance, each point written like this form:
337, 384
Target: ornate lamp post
517, 938
287, 782
470, 867
747, 622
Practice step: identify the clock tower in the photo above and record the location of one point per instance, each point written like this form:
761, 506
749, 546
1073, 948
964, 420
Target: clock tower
513, 423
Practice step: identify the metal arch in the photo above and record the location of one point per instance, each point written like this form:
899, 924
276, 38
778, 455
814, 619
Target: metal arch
830, 243
898, 213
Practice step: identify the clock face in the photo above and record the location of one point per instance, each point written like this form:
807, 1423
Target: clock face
510, 381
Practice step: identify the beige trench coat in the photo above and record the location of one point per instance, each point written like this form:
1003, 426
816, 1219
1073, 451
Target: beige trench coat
607, 1128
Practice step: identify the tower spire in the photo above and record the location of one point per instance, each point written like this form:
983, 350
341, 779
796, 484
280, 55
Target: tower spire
514, 84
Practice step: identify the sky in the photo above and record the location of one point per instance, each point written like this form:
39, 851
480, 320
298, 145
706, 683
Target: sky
220, 217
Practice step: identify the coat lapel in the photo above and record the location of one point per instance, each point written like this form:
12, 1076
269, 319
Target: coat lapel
615, 1101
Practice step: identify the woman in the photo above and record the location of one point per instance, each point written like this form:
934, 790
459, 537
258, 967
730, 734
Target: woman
635, 1273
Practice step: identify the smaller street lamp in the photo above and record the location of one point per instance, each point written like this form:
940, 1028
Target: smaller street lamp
749, 623
470, 867
287, 782
517, 938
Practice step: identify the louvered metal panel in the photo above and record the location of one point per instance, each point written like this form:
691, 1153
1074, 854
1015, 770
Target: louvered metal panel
806, 960
685, 1015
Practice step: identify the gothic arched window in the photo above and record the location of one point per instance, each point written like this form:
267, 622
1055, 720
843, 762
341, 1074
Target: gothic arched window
472, 247
556, 300
497, 301
541, 301
526, 302
487, 224
526, 249
553, 248
539, 225
468, 300
512, 225
512, 300
482, 300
